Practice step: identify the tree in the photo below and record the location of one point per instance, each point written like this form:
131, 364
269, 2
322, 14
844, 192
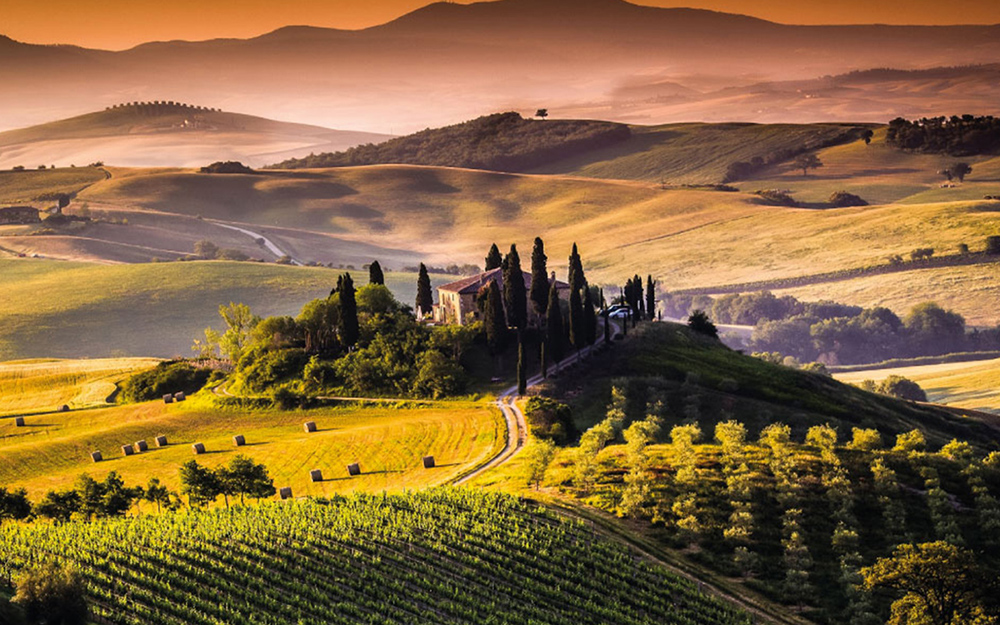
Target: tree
58, 506
515, 296
577, 279
867, 136
539, 294
425, 299
240, 322
495, 319
538, 457
206, 250
493, 259
348, 328
577, 323
157, 493
14, 504
554, 330
52, 595
522, 374
807, 161
375, 275
200, 484
960, 171
650, 298
909, 442
542, 113
700, 323
939, 581
246, 478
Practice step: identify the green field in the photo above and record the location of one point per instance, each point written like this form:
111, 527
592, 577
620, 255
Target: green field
72, 310
26, 186
444, 556
46, 385
389, 442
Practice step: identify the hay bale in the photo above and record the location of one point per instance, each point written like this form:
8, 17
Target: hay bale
168, 399
64, 408
161, 441
179, 396
285, 493
96, 456
199, 448
316, 475
141, 446
19, 422
127, 450
310, 426
239, 441
428, 462
354, 469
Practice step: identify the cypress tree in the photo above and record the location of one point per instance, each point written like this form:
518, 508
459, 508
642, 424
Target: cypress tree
607, 325
515, 296
543, 359
589, 316
425, 300
650, 298
577, 329
375, 275
640, 303
348, 311
539, 295
522, 374
554, 331
496, 325
576, 277
493, 259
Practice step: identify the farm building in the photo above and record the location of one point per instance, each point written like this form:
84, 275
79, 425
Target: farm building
457, 300
19, 215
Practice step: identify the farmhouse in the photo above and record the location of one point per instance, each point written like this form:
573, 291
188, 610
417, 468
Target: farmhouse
457, 300
19, 215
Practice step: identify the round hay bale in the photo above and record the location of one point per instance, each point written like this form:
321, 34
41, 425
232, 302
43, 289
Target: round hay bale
199, 448
168, 399
316, 475
309, 426
285, 492
179, 396
19, 422
127, 450
96, 456
354, 469
428, 462
64, 408
141, 446
239, 441
161, 441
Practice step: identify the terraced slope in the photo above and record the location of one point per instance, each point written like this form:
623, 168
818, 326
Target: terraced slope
446, 556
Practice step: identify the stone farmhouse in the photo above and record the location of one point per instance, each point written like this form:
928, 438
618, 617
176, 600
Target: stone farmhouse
457, 300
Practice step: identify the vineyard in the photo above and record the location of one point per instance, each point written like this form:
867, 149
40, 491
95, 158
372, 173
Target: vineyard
441, 556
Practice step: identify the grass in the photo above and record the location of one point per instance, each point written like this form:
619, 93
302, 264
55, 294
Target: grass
45, 385
388, 442
71, 310
972, 385
26, 186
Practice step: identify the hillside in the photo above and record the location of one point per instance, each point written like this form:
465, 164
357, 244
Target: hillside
438, 557
499, 142
447, 62
160, 134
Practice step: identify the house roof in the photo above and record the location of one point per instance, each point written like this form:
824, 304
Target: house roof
472, 284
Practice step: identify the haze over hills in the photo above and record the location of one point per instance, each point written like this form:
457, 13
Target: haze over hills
167, 134
448, 62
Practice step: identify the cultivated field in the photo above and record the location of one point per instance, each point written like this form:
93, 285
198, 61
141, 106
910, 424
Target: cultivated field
45, 385
52, 450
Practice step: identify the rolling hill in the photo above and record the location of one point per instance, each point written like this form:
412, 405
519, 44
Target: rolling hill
447, 62
167, 134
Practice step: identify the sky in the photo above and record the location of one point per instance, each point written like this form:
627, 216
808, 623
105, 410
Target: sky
120, 24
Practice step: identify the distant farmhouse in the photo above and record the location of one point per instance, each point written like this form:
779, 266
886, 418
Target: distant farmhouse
19, 215
457, 300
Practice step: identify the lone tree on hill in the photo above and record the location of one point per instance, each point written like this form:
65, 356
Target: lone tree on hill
375, 275
960, 171
808, 161
555, 333
700, 323
867, 136
539, 294
495, 319
425, 300
542, 113
348, 323
515, 296
493, 259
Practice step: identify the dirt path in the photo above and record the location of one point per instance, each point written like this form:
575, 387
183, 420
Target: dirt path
268, 243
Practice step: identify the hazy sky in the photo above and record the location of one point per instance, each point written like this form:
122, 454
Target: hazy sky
117, 24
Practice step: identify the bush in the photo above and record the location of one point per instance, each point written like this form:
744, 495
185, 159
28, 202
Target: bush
775, 197
550, 419
438, 376
843, 199
226, 167
52, 595
902, 388
166, 377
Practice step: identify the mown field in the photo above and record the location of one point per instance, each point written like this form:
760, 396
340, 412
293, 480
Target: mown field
974, 385
444, 556
52, 450
45, 385
27, 186
73, 310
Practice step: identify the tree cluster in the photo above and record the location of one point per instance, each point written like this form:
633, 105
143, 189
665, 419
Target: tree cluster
957, 136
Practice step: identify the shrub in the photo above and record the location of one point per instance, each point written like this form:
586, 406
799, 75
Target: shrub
843, 199
226, 167
550, 419
910, 441
438, 376
166, 377
52, 595
775, 197
902, 388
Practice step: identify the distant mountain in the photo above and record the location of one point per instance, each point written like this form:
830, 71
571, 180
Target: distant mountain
168, 134
447, 62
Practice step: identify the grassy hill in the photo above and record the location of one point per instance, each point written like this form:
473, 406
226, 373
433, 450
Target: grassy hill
39, 187
446, 556
70, 310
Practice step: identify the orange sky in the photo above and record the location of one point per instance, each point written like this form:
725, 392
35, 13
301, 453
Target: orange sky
117, 24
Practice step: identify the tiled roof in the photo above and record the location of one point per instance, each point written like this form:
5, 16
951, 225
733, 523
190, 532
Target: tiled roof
472, 284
